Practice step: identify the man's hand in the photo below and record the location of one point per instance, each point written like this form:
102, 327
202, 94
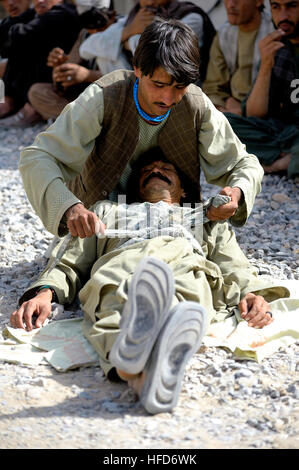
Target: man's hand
258, 101
254, 309
226, 210
70, 74
233, 106
221, 108
142, 19
39, 306
268, 46
56, 57
82, 222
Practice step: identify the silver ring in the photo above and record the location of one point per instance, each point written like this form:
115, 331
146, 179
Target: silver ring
68, 78
270, 313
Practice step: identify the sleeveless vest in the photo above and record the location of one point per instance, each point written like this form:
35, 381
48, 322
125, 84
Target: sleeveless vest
118, 139
228, 41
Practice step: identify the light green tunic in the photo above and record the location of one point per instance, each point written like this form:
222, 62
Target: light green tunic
102, 268
59, 153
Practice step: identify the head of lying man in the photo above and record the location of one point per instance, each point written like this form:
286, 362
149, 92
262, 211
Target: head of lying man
154, 178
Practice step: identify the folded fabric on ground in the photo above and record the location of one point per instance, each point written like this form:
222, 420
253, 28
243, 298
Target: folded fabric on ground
256, 344
61, 343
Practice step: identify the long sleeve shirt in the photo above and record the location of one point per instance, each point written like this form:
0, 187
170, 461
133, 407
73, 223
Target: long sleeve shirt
59, 153
40, 33
106, 46
7, 23
220, 83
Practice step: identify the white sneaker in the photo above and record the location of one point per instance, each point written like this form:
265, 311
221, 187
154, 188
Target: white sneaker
150, 295
178, 340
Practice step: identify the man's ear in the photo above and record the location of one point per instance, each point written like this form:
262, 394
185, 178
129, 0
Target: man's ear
137, 72
183, 196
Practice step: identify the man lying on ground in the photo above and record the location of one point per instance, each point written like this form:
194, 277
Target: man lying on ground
152, 284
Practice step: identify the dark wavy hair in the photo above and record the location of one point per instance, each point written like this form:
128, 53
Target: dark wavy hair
96, 18
155, 154
172, 45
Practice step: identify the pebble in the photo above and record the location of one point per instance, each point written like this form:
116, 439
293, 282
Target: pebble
34, 393
242, 373
223, 402
280, 197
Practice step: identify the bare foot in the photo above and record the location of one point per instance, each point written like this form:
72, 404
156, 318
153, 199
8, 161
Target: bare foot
125, 375
280, 164
135, 381
136, 384
25, 117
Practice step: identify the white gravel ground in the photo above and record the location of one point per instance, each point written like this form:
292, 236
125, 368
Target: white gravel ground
224, 403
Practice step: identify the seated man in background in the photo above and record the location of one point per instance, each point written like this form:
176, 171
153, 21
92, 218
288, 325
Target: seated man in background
17, 11
71, 74
152, 284
271, 128
52, 24
234, 54
115, 47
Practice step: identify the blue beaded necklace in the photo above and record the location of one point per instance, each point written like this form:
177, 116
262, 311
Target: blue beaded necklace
142, 113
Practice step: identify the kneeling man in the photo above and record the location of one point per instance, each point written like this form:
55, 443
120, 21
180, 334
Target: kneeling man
150, 286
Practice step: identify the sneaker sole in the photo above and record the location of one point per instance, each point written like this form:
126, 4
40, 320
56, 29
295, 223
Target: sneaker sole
178, 341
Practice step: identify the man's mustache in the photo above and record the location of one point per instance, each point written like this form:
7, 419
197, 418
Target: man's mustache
155, 175
165, 105
287, 22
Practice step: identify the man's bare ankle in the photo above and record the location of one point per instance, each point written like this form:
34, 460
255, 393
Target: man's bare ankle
125, 375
